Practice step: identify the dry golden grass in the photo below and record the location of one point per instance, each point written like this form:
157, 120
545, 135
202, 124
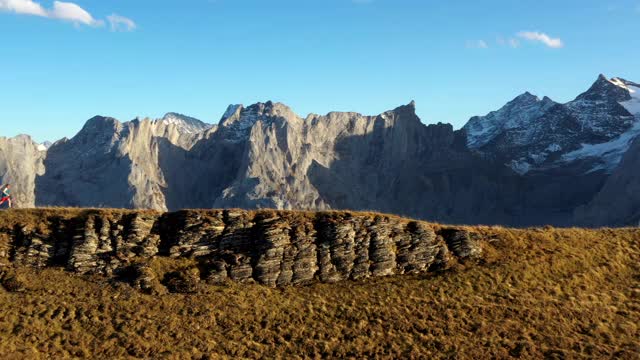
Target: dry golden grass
555, 293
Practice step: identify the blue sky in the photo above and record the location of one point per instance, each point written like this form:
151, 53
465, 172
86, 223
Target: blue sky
61, 63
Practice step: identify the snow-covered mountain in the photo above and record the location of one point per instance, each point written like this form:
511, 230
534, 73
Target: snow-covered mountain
532, 134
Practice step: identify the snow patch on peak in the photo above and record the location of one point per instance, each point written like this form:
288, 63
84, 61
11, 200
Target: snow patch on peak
553, 148
238, 121
186, 124
633, 105
618, 82
521, 166
609, 154
231, 110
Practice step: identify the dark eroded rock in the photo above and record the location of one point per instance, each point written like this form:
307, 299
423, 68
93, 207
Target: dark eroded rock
462, 243
274, 248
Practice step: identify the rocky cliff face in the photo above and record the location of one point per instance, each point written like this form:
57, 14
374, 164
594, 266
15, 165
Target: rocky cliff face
265, 156
113, 164
275, 248
21, 160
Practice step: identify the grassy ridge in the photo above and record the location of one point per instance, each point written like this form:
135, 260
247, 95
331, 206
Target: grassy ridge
557, 293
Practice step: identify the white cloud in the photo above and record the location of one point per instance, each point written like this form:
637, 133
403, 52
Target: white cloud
477, 44
72, 12
66, 11
121, 23
511, 42
26, 7
555, 43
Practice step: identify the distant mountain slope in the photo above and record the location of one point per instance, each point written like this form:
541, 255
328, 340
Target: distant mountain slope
534, 161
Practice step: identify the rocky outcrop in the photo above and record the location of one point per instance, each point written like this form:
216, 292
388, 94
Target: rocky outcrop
274, 248
21, 161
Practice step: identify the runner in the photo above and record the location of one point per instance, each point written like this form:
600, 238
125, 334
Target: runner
6, 194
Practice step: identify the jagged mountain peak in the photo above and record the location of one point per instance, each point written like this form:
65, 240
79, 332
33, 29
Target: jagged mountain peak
232, 110
410, 107
530, 133
526, 97
100, 124
618, 81
97, 119
405, 113
235, 112
238, 120
271, 108
604, 89
519, 113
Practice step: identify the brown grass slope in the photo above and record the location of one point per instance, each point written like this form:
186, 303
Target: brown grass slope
554, 293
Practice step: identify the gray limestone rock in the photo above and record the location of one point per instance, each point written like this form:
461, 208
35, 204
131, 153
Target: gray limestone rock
120, 165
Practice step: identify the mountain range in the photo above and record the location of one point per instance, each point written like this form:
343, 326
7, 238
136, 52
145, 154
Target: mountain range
532, 162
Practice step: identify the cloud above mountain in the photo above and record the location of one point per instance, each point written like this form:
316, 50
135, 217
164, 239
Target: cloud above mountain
541, 37
27, 7
72, 12
515, 41
65, 11
477, 44
121, 23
